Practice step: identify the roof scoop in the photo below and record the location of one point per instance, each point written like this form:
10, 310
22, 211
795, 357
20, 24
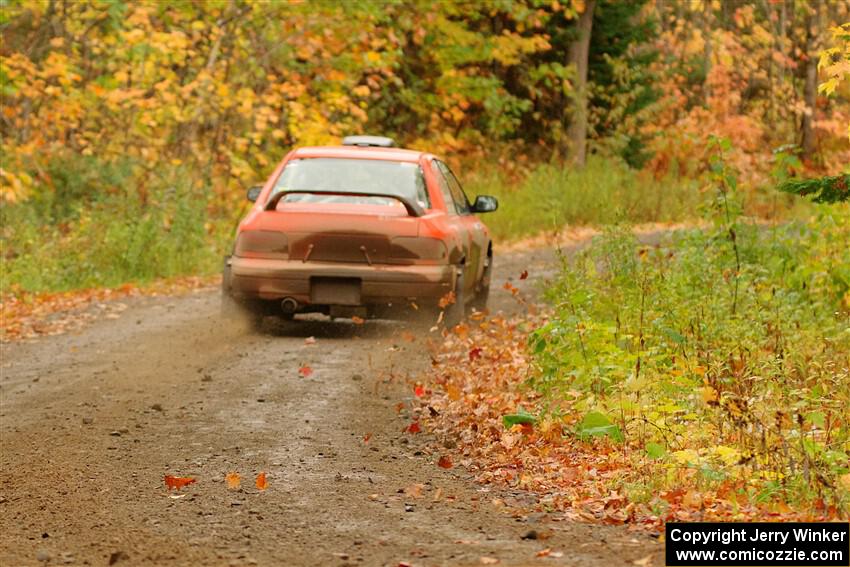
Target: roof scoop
369, 141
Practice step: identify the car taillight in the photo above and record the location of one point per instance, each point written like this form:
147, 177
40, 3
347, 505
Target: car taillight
262, 244
415, 250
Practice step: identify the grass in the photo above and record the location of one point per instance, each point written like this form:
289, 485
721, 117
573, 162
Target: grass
604, 192
94, 228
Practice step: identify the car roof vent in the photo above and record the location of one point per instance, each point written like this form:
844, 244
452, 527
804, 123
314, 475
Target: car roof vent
368, 141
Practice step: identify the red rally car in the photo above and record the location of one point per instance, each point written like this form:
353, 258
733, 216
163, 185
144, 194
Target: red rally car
360, 229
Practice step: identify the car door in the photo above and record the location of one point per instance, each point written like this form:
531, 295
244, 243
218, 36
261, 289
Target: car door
454, 219
474, 234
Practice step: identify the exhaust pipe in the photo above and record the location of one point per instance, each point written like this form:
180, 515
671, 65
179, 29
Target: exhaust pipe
289, 305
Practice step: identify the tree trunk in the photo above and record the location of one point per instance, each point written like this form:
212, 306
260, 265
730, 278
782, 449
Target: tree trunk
810, 89
577, 55
706, 21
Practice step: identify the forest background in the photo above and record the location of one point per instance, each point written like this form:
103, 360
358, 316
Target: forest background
130, 130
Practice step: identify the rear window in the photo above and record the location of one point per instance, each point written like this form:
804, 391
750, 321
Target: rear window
400, 178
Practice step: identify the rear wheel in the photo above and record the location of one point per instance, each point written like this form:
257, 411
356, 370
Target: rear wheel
479, 302
454, 313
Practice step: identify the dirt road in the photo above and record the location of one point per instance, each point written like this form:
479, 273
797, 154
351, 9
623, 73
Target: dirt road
90, 423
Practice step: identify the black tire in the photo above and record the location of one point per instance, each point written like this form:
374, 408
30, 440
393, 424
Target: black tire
479, 302
481, 298
456, 312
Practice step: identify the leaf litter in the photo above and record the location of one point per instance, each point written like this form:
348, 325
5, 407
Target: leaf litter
480, 404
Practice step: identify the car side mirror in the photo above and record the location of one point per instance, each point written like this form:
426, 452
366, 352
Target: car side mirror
254, 192
485, 204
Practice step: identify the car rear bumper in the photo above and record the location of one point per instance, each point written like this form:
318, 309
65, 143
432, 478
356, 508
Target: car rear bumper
379, 284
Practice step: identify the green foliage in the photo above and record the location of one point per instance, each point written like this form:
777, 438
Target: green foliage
62, 241
830, 189
605, 191
748, 386
620, 69
596, 424
521, 417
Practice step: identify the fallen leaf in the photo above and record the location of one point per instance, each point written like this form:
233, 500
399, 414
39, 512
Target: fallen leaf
414, 427
233, 480
310, 341
445, 462
709, 394
488, 560
419, 391
261, 482
414, 490
475, 353
357, 320
453, 392
544, 552
524, 275
367, 437
178, 482
305, 371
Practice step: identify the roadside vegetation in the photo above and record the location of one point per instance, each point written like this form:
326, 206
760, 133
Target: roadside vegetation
704, 378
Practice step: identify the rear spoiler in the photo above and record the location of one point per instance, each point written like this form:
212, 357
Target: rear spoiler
413, 209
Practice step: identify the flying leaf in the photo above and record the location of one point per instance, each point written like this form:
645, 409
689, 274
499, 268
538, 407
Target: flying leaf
178, 482
261, 482
419, 390
233, 480
367, 437
447, 300
357, 320
524, 275
474, 353
305, 371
